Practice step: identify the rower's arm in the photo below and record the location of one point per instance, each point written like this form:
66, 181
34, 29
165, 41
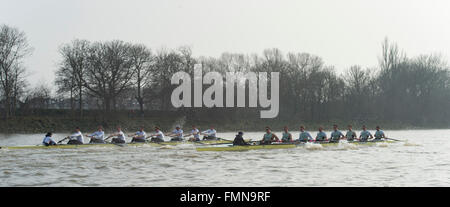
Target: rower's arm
276, 137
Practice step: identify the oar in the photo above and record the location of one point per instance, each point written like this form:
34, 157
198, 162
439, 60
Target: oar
395, 139
59, 142
109, 137
150, 137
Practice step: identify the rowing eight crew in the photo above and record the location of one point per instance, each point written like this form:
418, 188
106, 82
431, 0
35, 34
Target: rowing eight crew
140, 136
321, 136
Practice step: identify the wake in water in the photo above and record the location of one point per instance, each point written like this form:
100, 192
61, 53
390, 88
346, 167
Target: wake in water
381, 144
313, 146
410, 144
347, 146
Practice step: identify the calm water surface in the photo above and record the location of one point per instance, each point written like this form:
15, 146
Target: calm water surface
424, 160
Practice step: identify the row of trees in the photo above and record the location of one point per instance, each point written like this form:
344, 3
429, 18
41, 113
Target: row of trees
116, 75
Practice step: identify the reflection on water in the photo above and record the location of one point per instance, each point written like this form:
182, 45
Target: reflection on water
422, 161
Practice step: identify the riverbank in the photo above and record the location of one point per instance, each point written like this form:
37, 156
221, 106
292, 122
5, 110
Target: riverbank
42, 124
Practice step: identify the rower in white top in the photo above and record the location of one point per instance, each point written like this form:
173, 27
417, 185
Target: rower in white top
119, 137
209, 134
158, 136
195, 133
177, 134
98, 136
76, 138
139, 136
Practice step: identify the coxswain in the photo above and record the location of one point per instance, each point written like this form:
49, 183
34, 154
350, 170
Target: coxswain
48, 141
239, 140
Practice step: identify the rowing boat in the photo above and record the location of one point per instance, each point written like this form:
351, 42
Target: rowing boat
66, 146
284, 146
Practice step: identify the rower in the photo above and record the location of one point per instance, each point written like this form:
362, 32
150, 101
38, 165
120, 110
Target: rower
158, 136
350, 135
304, 135
209, 134
196, 133
48, 141
269, 137
336, 135
177, 134
287, 137
76, 138
139, 136
321, 136
119, 137
239, 140
97, 137
364, 136
379, 134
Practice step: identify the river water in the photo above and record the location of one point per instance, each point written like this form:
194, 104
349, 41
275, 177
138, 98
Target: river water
424, 160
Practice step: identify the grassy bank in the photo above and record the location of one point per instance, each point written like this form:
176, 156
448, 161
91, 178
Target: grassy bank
41, 124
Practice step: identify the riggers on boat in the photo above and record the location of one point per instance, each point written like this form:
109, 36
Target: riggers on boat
283, 146
67, 146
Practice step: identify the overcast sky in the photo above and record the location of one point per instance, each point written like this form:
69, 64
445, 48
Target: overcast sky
343, 32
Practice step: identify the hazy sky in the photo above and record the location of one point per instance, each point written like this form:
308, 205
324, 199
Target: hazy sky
343, 32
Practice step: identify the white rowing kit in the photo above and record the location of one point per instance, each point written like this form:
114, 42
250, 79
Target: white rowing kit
159, 135
100, 135
196, 133
77, 136
121, 135
141, 135
178, 133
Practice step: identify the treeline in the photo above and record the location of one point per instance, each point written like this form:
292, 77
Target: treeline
117, 75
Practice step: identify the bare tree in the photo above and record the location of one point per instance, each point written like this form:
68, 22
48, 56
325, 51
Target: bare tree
109, 73
142, 59
166, 64
39, 97
14, 48
71, 74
